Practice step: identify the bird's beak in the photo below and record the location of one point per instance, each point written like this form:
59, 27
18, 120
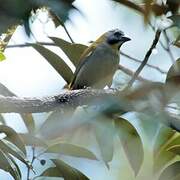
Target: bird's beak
124, 39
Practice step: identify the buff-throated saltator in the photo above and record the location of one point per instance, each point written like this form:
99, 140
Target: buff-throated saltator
99, 61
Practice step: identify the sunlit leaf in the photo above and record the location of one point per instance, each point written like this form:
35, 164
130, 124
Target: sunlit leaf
69, 172
6, 39
174, 144
56, 62
163, 141
164, 135
13, 137
16, 165
71, 150
171, 172
73, 51
131, 143
7, 165
10, 148
2, 56
175, 149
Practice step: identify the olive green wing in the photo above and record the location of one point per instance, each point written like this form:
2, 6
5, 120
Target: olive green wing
83, 59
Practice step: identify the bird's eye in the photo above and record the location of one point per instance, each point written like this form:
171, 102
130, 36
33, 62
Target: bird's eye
118, 34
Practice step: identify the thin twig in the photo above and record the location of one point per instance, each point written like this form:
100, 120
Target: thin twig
131, 73
30, 44
144, 62
122, 53
60, 22
67, 32
32, 161
139, 61
161, 43
167, 49
168, 46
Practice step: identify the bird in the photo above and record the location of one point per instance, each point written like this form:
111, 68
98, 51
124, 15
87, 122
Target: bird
99, 62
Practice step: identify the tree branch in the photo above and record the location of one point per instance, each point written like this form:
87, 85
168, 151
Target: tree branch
146, 58
116, 100
66, 99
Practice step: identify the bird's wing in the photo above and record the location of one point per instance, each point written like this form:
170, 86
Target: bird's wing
83, 59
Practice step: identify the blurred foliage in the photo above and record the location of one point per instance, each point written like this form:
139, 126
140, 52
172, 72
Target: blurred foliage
64, 170
2, 57
12, 146
171, 172
56, 134
18, 11
148, 7
131, 143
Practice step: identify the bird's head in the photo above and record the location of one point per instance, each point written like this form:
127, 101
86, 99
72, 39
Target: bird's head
114, 38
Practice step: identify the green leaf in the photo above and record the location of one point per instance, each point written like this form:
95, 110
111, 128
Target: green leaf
71, 150
7, 165
57, 124
162, 143
29, 122
2, 57
27, 118
174, 144
13, 137
131, 143
31, 140
177, 42
175, 149
171, 172
173, 75
149, 126
163, 137
73, 51
56, 62
175, 19
10, 148
5, 91
16, 166
52, 172
105, 132
69, 172
2, 120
